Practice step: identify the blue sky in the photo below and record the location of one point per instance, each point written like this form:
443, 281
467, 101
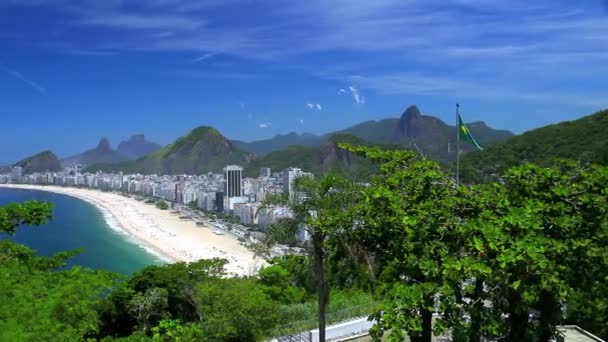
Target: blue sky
74, 71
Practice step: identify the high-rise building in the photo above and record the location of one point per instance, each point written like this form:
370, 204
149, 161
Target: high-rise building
233, 176
265, 172
16, 173
289, 175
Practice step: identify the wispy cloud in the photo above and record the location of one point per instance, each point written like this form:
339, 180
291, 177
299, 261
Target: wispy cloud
120, 20
203, 57
502, 46
425, 85
265, 124
356, 95
23, 79
314, 106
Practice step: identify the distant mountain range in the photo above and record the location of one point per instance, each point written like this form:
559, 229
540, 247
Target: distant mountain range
426, 134
203, 149
103, 153
585, 139
136, 146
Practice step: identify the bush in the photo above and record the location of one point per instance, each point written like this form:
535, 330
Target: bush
162, 205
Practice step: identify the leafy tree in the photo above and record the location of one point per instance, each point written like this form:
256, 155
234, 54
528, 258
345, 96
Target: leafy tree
29, 213
179, 280
544, 235
278, 285
172, 330
406, 219
298, 267
526, 244
151, 304
319, 208
235, 310
38, 301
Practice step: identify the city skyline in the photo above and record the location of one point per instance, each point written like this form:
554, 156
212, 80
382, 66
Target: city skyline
254, 70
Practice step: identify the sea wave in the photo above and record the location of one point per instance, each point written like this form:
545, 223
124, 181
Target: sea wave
113, 223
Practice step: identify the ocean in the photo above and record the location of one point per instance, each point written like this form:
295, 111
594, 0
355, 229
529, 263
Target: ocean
78, 224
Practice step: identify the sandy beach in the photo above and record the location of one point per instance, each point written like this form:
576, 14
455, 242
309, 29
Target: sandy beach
162, 231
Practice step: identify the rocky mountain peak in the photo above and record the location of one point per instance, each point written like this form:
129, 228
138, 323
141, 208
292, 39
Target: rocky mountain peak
104, 145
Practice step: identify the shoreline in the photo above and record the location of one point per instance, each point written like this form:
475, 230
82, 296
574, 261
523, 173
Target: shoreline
160, 232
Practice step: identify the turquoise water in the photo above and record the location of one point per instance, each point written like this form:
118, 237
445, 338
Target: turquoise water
78, 224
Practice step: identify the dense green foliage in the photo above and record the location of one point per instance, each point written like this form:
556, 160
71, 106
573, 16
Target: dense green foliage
45, 161
39, 301
584, 140
532, 242
162, 205
204, 149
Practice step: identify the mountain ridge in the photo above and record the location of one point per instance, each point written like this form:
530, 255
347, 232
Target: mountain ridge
102, 153
412, 129
203, 149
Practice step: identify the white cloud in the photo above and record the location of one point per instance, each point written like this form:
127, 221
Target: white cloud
301, 121
265, 124
356, 95
314, 106
203, 57
342, 91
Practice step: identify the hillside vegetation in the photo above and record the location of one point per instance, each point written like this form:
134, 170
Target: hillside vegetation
585, 140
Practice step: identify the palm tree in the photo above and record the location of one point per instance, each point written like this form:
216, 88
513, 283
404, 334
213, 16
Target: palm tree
318, 207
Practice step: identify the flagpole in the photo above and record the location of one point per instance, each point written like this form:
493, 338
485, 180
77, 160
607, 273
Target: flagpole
457, 144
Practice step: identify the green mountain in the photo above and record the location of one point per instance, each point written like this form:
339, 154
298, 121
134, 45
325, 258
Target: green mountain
103, 153
426, 134
204, 149
585, 139
319, 159
45, 161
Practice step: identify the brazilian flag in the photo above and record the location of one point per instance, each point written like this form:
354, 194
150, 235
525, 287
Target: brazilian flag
465, 134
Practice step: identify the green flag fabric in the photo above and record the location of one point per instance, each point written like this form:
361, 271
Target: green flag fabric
465, 134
